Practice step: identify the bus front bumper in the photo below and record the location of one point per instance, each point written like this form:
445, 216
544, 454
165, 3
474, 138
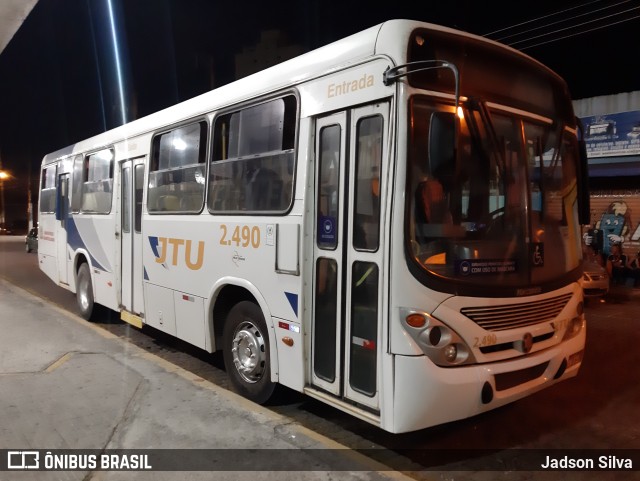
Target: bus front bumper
427, 395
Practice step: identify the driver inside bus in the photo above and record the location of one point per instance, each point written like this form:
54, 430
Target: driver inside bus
432, 202
432, 214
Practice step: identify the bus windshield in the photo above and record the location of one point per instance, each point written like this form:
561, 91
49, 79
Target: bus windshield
502, 212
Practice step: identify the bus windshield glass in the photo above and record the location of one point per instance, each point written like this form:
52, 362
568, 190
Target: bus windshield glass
502, 210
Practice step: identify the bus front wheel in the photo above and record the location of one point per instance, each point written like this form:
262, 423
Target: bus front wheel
246, 352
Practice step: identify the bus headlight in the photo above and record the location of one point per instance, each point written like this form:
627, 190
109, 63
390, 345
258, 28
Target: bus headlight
451, 352
438, 341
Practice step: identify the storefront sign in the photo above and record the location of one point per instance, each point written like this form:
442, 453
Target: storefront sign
612, 134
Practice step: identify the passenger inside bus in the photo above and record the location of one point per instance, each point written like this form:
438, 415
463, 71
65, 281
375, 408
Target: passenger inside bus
263, 189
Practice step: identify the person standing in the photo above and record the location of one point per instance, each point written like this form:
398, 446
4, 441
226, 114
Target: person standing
617, 265
633, 269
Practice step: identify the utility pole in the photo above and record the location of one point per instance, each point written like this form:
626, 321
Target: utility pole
29, 207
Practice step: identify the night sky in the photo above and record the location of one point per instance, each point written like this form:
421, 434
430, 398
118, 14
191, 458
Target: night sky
57, 80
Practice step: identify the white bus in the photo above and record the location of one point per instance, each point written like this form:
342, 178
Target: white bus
389, 224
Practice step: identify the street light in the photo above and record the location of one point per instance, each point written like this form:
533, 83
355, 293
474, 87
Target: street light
3, 176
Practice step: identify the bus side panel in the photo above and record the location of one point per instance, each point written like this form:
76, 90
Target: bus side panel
185, 256
188, 254
190, 310
290, 354
47, 246
95, 236
160, 309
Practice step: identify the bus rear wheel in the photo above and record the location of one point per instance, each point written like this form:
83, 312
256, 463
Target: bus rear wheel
84, 292
246, 352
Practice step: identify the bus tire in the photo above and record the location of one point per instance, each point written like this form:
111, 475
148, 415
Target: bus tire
246, 352
84, 292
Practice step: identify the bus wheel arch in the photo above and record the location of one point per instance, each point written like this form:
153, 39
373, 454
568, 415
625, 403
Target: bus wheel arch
80, 258
243, 329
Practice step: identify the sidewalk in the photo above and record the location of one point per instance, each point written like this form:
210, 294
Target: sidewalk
66, 384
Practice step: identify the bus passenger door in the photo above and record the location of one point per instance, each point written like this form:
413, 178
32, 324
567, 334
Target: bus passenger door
328, 252
132, 175
62, 216
351, 168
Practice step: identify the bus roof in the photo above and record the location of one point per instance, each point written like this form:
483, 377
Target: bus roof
379, 40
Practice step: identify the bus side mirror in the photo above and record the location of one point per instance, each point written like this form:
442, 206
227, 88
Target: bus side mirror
584, 202
442, 147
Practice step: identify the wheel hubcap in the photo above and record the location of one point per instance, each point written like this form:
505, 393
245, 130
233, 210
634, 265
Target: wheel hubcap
83, 296
248, 352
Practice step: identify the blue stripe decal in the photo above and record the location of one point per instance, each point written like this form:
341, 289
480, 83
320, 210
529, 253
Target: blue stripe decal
75, 241
153, 241
293, 301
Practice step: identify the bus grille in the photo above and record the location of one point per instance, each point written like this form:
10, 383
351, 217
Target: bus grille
512, 316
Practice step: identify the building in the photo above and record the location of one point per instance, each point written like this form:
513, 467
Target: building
612, 135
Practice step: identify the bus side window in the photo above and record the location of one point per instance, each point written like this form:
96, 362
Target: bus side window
48, 190
328, 190
77, 184
97, 186
253, 158
366, 227
176, 179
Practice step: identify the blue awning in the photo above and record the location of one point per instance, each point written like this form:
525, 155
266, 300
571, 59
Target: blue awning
614, 166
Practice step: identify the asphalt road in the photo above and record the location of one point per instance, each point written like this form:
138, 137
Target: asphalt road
598, 410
